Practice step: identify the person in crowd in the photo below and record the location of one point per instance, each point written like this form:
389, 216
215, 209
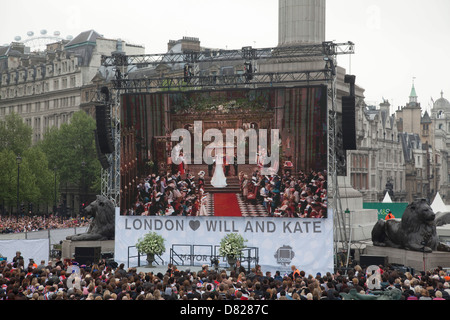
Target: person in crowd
102, 281
38, 222
303, 195
389, 215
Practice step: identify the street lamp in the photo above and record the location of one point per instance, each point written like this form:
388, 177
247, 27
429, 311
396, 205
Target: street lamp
81, 196
54, 205
18, 160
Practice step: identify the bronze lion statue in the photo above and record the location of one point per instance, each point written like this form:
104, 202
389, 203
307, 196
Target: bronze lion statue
416, 231
102, 226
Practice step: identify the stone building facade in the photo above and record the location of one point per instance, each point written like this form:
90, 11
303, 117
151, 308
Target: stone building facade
440, 130
46, 88
379, 159
399, 149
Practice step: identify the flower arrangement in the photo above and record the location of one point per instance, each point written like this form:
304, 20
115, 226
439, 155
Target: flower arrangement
231, 245
150, 164
151, 243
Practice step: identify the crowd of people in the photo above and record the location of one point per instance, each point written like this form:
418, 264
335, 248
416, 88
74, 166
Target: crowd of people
105, 281
300, 196
170, 194
303, 195
11, 224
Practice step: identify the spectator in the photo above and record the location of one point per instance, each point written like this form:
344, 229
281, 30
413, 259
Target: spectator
303, 196
37, 223
177, 197
438, 296
102, 282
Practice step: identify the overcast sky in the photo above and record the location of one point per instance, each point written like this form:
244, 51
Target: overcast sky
396, 41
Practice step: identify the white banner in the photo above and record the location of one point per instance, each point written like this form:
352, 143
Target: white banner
281, 242
30, 249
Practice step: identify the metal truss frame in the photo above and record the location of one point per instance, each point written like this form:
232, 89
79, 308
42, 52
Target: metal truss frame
110, 178
237, 80
326, 50
341, 240
246, 53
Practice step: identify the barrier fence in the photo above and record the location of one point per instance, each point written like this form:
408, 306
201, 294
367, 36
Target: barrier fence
196, 255
55, 237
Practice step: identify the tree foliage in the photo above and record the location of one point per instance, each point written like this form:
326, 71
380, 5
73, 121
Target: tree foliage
67, 153
31, 175
71, 149
15, 135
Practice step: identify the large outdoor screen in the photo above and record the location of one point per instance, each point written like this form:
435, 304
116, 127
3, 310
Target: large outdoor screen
238, 152
197, 166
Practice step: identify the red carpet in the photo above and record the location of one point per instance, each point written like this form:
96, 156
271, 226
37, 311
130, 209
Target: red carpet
226, 204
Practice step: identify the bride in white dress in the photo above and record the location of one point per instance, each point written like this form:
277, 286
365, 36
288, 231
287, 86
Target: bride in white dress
219, 180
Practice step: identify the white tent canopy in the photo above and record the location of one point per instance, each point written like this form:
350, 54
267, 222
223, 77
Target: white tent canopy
438, 204
387, 198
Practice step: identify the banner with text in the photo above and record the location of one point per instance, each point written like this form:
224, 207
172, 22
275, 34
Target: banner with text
281, 242
397, 208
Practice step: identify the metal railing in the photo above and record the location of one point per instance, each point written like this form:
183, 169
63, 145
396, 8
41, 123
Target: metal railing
192, 256
138, 256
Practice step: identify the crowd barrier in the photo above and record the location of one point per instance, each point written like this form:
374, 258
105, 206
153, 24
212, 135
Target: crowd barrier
54, 236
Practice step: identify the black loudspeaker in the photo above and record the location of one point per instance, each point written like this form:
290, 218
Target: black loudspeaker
104, 131
368, 260
87, 255
349, 123
351, 80
101, 157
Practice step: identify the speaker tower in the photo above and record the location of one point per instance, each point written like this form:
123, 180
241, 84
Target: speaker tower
104, 130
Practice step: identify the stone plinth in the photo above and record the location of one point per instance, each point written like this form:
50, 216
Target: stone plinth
68, 247
419, 261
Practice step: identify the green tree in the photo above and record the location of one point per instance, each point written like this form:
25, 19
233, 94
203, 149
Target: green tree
28, 175
15, 135
8, 177
44, 175
15, 140
71, 149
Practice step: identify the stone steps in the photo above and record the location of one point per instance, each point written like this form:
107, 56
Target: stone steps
232, 186
232, 180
